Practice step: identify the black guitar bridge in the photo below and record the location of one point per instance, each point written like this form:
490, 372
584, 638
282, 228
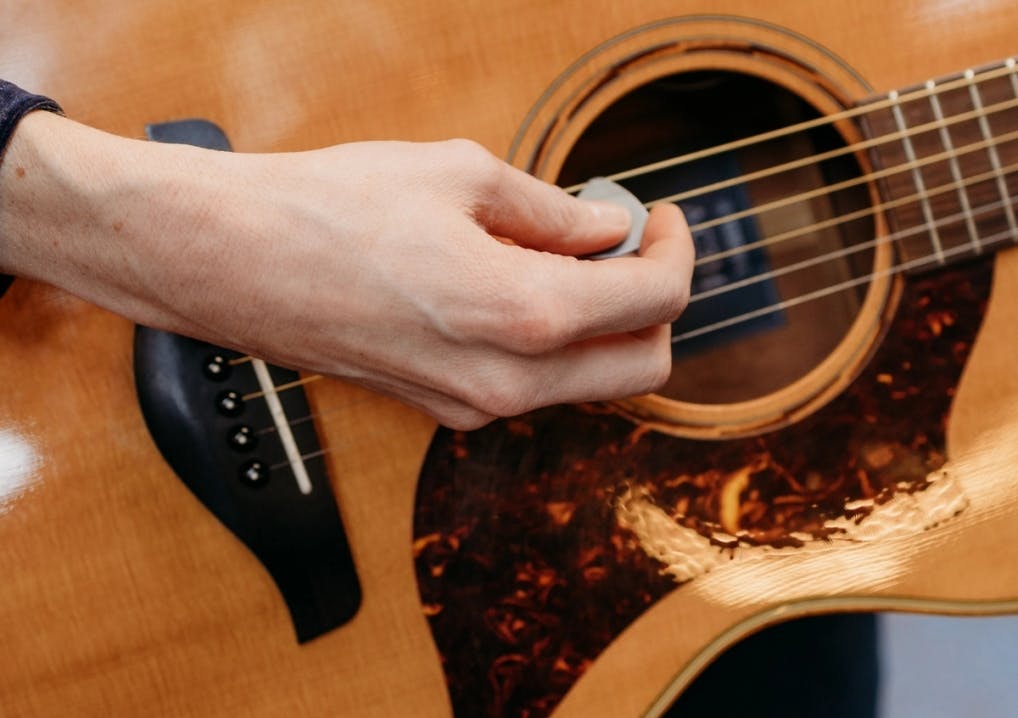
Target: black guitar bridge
247, 448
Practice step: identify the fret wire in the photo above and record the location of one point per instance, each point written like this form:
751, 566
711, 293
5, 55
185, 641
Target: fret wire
793, 129
984, 127
1010, 65
963, 195
917, 176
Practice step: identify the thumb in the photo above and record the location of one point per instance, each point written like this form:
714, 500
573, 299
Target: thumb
541, 216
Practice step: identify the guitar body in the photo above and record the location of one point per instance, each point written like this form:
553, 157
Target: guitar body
122, 595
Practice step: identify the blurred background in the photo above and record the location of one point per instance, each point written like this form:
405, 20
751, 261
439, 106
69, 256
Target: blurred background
865, 666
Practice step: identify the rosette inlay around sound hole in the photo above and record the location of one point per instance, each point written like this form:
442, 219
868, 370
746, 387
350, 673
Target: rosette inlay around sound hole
790, 291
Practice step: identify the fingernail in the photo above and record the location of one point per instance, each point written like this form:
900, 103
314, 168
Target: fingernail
611, 215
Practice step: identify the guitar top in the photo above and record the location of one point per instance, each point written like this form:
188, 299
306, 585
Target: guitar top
840, 431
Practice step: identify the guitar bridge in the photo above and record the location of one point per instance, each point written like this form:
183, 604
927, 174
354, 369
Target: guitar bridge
239, 433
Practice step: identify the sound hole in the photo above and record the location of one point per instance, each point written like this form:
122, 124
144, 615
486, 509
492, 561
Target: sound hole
747, 331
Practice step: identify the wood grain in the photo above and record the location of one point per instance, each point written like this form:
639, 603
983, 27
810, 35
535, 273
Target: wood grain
123, 597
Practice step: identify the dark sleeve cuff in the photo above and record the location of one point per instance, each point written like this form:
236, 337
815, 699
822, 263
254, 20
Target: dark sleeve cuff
15, 103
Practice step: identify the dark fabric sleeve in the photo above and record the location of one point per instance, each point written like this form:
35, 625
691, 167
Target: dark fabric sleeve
15, 103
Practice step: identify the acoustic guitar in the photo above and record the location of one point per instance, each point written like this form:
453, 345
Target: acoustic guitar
190, 532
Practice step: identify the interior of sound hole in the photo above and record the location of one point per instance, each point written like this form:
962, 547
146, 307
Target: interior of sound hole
683, 113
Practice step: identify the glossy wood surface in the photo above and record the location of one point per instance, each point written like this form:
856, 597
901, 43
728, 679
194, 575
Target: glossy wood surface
121, 596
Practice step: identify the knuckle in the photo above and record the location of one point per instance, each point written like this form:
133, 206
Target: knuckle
501, 394
532, 327
512, 312
505, 401
471, 156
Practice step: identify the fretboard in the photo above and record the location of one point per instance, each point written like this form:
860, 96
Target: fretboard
947, 163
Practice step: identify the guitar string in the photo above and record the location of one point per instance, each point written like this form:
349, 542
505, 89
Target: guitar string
802, 162
928, 91
901, 234
771, 172
304, 457
965, 183
315, 415
931, 258
785, 304
801, 299
873, 243
826, 224
283, 387
828, 189
919, 262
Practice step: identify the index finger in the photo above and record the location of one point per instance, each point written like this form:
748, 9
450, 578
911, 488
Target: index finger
666, 239
587, 298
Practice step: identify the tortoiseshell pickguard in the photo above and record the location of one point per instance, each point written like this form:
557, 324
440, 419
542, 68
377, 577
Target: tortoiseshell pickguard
524, 571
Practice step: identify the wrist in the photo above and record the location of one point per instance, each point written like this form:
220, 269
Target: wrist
73, 206
121, 223
47, 196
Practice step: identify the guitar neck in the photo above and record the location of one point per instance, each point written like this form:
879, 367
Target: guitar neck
945, 154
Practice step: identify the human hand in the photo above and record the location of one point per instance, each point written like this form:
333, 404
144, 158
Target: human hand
377, 262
